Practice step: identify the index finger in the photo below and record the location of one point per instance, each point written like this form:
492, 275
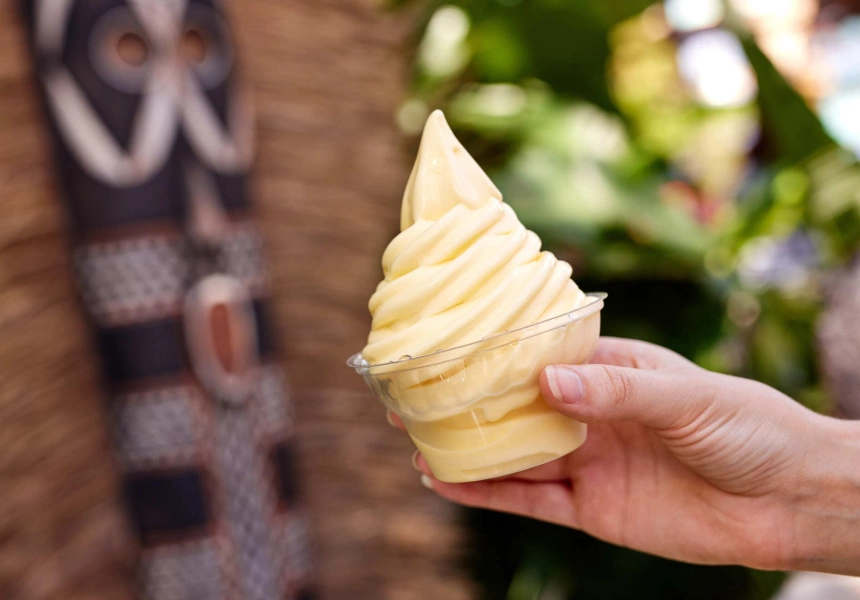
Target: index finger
636, 354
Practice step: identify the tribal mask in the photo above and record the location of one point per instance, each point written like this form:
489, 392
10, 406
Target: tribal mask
154, 145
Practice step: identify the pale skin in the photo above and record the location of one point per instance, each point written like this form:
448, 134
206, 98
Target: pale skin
690, 465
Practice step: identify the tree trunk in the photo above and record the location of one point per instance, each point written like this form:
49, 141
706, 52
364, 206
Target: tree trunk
327, 76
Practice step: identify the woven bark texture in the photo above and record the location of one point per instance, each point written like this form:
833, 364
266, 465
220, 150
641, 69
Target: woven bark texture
61, 528
326, 76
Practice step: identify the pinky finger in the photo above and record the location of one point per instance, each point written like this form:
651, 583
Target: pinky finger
394, 420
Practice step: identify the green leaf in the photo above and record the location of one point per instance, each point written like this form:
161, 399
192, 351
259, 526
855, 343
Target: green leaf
835, 179
564, 44
787, 121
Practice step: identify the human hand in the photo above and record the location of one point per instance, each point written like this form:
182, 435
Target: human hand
689, 465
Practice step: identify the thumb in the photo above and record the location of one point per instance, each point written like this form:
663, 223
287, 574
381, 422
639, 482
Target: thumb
654, 398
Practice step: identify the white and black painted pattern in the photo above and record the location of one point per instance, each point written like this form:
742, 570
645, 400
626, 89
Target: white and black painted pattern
154, 143
133, 279
186, 571
158, 428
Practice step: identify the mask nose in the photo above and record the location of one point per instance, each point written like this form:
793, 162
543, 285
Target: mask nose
207, 221
221, 337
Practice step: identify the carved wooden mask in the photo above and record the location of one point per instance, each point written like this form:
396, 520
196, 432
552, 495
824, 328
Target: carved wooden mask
154, 145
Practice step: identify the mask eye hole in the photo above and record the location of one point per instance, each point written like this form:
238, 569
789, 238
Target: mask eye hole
196, 46
206, 45
131, 49
120, 51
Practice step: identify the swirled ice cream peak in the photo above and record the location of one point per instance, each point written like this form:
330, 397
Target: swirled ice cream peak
463, 267
444, 175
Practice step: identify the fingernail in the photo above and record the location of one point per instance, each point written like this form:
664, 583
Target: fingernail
564, 384
427, 482
415, 456
388, 417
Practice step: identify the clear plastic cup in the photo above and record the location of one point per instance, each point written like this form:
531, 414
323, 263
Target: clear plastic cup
476, 411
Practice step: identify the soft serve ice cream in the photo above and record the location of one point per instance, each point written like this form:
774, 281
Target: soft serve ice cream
462, 271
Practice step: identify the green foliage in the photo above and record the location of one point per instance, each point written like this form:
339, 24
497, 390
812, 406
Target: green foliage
795, 131
710, 228
519, 559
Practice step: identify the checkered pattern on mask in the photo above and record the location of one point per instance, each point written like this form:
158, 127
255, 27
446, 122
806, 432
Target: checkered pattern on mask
187, 571
273, 402
294, 545
241, 255
157, 428
249, 502
133, 279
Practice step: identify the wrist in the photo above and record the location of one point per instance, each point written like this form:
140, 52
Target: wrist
826, 508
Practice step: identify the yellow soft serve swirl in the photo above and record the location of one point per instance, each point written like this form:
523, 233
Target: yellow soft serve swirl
463, 266
463, 269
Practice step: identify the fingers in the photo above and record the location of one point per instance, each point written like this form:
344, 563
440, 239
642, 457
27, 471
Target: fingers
549, 501
556, 470
394, 420
658, 399
636, 354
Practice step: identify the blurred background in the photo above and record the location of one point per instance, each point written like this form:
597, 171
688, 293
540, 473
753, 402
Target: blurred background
696, 159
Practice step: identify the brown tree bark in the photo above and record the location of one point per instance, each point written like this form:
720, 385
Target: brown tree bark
327, 75
62, 534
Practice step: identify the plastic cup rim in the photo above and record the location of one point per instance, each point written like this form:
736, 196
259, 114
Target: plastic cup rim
357, 362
